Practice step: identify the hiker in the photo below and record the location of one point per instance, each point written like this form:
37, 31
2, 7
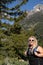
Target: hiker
34, 52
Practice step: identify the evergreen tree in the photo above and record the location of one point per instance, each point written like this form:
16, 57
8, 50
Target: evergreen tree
10, 13
13, 36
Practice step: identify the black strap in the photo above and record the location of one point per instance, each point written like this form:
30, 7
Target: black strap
35, 49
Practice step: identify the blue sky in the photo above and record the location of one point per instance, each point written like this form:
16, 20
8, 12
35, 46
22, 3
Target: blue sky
28, 6
31, 4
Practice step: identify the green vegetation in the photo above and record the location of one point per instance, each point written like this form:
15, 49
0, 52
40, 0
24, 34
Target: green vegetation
12, 61
13, 38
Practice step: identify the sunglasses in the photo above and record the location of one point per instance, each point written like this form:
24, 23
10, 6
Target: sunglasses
30, 40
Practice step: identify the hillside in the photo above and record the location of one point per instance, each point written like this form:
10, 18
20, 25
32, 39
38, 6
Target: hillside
34, 19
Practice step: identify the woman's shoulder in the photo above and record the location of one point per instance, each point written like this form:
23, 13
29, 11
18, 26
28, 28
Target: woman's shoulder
40, 48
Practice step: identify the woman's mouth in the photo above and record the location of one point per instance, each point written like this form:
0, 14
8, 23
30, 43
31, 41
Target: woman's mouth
30, 45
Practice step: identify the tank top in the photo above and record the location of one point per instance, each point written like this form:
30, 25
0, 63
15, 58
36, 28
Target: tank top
34, 60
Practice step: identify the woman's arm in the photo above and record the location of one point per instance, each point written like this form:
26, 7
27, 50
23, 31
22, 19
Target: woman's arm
40, 50
25, 53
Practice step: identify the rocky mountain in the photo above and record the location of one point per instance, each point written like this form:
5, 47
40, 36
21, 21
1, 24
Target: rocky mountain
33, 16
34, 19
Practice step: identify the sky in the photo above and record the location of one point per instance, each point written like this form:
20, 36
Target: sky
30, 4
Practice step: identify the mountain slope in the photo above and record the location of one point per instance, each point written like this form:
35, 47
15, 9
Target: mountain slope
34, 19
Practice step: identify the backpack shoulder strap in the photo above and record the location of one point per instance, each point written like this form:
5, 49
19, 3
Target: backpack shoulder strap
35, 49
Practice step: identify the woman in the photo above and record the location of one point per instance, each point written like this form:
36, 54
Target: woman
34, 52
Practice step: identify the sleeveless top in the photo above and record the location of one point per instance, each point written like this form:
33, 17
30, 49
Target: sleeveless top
34, 60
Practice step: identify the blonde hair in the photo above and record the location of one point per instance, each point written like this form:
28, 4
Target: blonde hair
34, 39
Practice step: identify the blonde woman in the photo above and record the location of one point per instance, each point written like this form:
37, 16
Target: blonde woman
34, 52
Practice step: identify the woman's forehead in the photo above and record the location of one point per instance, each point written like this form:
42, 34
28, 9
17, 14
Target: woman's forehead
32, 37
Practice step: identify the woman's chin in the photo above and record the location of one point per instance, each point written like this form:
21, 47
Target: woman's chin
31, 47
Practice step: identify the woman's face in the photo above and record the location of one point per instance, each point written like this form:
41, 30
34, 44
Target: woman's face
32, 42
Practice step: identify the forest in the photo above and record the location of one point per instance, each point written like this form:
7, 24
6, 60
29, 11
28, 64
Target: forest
13, 36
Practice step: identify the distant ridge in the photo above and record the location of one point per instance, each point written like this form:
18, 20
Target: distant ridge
33, 15
34, 19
